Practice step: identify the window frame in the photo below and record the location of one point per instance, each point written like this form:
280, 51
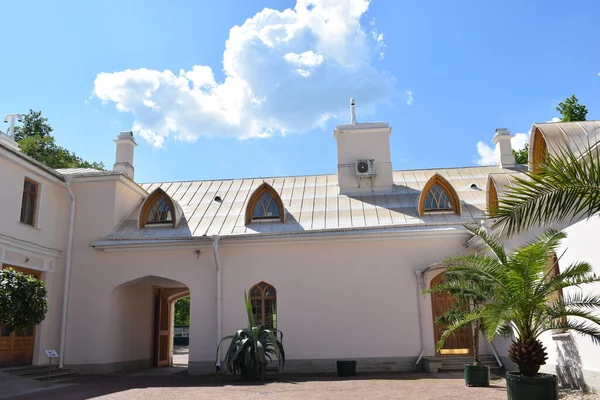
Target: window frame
265, 188
147, 206
262, 299
22, 216
447, 188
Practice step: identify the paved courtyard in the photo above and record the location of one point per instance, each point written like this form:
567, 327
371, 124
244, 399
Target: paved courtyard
180, 386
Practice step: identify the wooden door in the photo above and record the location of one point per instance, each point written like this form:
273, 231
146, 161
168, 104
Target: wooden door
460, 342
16, 348
163, 331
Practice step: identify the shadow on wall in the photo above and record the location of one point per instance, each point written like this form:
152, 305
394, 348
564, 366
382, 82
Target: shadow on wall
570, 368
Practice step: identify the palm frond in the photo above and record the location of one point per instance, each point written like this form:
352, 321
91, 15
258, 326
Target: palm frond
565, 187
491, 242
584, 328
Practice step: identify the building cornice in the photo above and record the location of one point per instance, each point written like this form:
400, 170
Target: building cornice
407, 233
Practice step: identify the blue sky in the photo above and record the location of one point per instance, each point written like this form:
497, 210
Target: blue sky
262, 99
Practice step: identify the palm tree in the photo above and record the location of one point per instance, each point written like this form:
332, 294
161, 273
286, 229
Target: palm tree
524, 296
563, 187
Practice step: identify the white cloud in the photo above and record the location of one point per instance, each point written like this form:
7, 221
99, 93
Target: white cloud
555, 119
285, 71
409, 97
487, 154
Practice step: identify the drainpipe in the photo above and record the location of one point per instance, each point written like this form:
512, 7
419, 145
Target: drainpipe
63, 326
419, 274
216, 239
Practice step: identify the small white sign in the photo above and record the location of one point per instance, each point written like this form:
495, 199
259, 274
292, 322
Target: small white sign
51, 353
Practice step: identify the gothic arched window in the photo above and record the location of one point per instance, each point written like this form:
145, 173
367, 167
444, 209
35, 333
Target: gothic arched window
264, 204
157, 209
438, 195
263, 298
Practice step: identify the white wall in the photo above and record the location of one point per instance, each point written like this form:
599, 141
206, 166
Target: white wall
40, 247
572, 353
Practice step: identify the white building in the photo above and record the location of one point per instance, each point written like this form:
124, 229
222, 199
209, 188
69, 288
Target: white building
337, 262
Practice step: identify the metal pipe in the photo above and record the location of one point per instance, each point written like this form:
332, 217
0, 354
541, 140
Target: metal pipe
216, 239
496, 354
65, 302
420, 313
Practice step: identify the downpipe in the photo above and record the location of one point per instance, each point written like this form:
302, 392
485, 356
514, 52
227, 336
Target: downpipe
419, 274
67, 281
216, 239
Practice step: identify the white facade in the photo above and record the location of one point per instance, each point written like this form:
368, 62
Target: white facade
348, 255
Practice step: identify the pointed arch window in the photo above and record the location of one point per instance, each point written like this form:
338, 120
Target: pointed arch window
157, 209
438, 195
263, 298
265, 204
492, 197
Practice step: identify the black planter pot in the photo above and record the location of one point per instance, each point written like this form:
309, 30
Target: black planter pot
346, 368
248, 374
477, 375
539, 387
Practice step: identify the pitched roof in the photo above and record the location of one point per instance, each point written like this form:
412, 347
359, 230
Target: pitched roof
578, 136
312, 204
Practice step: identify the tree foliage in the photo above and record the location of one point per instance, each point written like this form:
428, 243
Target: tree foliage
23, 301
527, 296
182, 311
522, 155
35, 139
565, 186
571, 110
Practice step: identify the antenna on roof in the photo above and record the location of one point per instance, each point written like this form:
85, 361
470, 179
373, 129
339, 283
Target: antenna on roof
12, 118
352, 112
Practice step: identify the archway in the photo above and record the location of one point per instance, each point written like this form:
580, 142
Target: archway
142, 320
460, 342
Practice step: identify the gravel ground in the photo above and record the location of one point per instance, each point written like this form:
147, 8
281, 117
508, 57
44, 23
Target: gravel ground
372, 387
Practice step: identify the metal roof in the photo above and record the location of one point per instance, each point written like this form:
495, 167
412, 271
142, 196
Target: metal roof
578, 136
79, 171
312, 204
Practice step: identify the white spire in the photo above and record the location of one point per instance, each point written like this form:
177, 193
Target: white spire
352, 112
12, 118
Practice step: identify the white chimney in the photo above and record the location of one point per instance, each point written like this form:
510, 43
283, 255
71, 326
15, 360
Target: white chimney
504, 154
124, 158
364, 160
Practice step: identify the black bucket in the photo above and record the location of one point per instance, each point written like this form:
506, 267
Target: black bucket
346, 368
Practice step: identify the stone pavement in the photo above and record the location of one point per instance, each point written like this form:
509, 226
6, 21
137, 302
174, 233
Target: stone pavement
12, 385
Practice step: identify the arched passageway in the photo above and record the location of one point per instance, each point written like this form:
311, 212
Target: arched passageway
143, 321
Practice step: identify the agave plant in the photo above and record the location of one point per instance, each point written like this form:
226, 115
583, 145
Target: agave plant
524, 296
252, 348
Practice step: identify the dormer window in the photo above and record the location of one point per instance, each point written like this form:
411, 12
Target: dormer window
158, 209
437, 199
159, 213
438, 196
265, 204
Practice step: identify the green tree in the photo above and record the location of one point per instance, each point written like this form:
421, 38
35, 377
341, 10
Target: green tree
35, 139
182, 311
525, 296
23, 301
522, 155
571, 110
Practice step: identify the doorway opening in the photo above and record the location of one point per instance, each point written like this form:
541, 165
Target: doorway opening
144, 312
461, 341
